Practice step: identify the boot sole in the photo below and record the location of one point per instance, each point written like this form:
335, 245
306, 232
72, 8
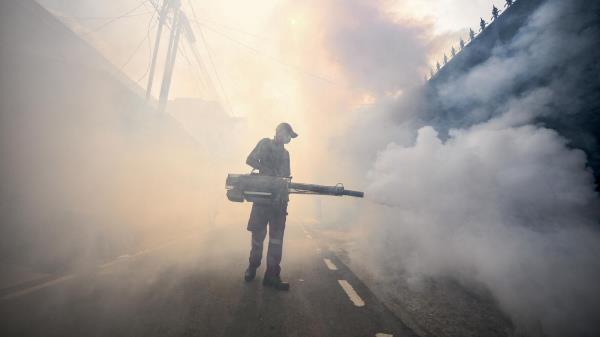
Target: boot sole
249, 278
280, 288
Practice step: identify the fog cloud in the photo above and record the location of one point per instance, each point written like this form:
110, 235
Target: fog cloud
500, 201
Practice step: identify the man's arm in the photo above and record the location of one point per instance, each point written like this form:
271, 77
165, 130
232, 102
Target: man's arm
255, 157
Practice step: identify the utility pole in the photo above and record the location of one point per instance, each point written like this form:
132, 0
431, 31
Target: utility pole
179, 24
171, 56
161, 21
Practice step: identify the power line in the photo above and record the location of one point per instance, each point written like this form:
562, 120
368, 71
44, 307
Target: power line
216, 72
124, 15
202, 67
233, 29
257, 51
210, 58
200, 84
200, 62
137, 48
102, 17
149, 53
208, 83
180, 49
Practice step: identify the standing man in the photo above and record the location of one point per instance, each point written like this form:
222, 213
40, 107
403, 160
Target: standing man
270, 158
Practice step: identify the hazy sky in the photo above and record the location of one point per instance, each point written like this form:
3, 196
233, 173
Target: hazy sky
312, 63
249, 41
448, 15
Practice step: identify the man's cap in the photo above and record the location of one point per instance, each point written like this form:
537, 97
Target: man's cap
288, 128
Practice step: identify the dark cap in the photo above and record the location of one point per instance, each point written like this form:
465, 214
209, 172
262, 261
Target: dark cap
288, 128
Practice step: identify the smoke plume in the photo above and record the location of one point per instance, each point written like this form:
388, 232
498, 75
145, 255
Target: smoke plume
501, 201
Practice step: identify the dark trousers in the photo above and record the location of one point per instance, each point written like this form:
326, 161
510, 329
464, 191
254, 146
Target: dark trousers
274, 216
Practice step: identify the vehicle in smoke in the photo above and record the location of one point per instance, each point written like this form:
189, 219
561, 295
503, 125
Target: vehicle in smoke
260, 188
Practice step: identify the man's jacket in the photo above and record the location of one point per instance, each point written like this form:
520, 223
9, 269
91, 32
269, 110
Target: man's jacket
270, 159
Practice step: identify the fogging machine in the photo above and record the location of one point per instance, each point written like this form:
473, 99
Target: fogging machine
260, 188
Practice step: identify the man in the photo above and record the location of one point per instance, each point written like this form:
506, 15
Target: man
270, 158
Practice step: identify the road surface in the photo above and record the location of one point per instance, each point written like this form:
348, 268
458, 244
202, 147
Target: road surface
194, 287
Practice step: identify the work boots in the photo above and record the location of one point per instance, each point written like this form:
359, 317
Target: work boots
271, 279
275, 282
250, 273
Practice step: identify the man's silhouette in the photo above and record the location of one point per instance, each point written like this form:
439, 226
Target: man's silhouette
270, 158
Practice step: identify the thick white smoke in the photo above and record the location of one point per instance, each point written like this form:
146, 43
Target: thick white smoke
511, 209
501, 203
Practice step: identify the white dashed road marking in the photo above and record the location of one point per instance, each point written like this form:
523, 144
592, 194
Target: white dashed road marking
330, 264
351, 293
383, 335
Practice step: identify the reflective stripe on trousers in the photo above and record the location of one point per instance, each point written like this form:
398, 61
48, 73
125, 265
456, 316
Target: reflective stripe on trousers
274, 217
274, 252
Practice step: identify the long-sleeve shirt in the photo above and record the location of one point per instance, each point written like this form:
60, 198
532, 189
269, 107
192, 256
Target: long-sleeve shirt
270, 158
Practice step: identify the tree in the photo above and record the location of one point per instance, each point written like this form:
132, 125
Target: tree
482, 24
471, 34
437, 65
495, 12
462, 44
453, 51
508, 3
445, 59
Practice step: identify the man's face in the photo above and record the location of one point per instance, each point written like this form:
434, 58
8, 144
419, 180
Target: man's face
284, 137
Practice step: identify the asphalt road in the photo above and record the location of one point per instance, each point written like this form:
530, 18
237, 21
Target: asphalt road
194, 287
